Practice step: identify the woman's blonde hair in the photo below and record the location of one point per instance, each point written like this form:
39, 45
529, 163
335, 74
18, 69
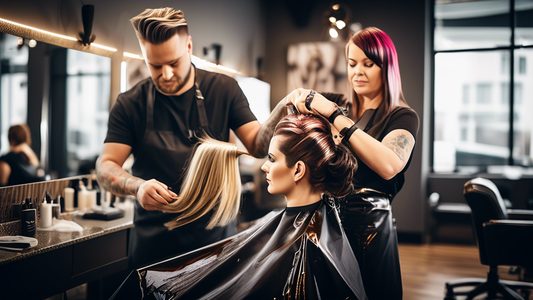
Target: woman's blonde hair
212, 182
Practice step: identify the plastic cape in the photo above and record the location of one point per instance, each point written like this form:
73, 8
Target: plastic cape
299, 253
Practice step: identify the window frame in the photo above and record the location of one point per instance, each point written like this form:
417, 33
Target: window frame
473, 96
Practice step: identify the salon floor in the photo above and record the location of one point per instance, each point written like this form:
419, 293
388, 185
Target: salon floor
425, 269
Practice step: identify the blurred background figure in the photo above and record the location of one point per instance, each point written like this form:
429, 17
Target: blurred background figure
20, 165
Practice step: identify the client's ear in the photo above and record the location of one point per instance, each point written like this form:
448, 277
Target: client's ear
299, 170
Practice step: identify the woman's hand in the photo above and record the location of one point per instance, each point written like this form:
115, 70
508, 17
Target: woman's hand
318, 103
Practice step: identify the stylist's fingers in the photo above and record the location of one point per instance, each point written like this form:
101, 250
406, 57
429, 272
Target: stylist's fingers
166, 192
300, 102
149, 195
294, 95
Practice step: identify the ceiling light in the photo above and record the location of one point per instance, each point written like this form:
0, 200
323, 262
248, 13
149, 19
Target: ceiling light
333, 33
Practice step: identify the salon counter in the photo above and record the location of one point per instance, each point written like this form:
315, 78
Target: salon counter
63, 260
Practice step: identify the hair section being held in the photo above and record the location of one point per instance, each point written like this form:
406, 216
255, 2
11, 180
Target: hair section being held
308, 138
212, 182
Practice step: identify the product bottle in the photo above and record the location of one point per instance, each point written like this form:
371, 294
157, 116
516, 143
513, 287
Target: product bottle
83, 197
27, 218
69, 199
92, 194
56, 207
46, 211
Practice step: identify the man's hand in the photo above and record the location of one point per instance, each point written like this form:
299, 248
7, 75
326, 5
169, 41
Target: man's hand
155, 195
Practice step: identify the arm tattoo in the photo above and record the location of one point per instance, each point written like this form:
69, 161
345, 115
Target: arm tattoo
262, 140
115, 180
401, 145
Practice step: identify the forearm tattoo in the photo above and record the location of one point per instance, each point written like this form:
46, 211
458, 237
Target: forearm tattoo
117, 181
262, 140
401, 145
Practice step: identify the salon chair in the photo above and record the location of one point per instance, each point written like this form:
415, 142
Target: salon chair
504, 238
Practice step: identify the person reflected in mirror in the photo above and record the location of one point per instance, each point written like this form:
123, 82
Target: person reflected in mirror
158, 120
300, 252
379, 127
20, 165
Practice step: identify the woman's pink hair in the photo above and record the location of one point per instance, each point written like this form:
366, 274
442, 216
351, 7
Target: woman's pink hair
379, 48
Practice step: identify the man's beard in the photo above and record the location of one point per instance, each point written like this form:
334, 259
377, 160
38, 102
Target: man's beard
177, 83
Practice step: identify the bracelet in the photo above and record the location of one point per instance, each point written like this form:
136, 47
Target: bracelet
339, 112
347, 132
309, 99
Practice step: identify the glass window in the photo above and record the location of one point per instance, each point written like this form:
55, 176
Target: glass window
484, 92
466, 94
473, 134
524, 27
88, 92
476, 100
523, 122
522, 65
14, 83
472, 24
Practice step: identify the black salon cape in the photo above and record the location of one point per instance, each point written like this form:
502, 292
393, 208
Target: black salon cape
299, 253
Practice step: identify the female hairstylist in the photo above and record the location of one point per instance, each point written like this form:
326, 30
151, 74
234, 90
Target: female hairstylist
382, 138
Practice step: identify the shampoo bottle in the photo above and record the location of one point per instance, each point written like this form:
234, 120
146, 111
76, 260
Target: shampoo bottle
27, 218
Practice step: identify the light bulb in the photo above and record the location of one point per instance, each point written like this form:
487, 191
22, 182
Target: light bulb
333, 33
340, 24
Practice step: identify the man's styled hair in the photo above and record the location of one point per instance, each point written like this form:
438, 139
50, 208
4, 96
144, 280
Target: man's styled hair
212, 182
158, 25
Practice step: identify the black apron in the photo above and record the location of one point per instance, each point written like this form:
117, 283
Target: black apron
371, 230
150, 240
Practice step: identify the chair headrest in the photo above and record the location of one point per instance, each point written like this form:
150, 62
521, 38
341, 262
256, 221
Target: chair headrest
492, 200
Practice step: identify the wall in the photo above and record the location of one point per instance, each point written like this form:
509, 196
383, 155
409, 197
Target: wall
241, 35
404, 22
251, 29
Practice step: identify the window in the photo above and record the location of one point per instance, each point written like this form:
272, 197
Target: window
522, 65
466, 94
483, 96
483, 92
14, 83
88, 91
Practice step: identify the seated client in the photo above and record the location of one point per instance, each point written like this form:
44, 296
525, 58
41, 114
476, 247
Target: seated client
298, 253
20, 165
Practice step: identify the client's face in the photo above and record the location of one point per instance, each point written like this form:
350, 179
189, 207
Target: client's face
279, 177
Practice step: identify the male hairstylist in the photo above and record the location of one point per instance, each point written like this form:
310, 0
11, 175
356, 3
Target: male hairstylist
157, 120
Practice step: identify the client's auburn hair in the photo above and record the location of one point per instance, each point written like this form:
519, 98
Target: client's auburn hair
212, 182
308, 138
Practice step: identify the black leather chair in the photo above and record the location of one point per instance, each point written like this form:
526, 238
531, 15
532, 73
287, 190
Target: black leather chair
501, 240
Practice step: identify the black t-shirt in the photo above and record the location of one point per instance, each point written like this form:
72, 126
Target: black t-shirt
404, 118
21, 170
161, 149
225, 104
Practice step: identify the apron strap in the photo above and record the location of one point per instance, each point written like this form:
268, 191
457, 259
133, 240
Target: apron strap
365, 119
201, 107
150, 97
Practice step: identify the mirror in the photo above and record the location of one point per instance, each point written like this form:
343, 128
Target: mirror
61, 90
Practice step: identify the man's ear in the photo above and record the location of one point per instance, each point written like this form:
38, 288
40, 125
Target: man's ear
189, 44
299, 170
